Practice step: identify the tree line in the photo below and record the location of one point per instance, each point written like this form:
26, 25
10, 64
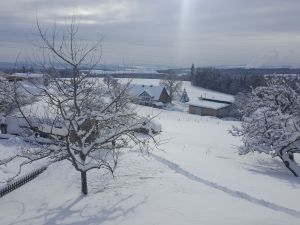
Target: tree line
234, 80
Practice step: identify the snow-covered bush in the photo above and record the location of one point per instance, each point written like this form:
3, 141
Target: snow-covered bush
149, 126
271, 121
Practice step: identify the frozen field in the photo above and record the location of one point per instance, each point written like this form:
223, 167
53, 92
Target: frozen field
196, 177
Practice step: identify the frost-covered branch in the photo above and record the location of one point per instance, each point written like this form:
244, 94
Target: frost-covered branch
271, 120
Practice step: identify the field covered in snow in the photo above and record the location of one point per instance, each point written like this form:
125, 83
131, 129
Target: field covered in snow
195, 178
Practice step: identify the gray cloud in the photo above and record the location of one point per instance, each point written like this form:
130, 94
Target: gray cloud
205, 32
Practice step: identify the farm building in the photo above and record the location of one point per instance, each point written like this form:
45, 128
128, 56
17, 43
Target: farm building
18, 126
149, 95
34, 78
211, 107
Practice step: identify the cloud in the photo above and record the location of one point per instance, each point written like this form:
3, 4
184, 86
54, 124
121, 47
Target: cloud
206, 32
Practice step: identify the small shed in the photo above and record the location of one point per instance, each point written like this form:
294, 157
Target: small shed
210, 107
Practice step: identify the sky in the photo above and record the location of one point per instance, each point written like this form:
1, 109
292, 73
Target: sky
256, 33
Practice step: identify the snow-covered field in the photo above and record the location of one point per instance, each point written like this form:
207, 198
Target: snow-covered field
195, 178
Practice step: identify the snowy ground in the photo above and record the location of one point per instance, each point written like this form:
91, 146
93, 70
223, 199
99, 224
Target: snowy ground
9, 148
196, 178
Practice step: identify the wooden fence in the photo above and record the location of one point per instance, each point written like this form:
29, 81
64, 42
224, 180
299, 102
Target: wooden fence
21, 181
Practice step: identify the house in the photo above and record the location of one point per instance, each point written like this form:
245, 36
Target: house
12, 125
149, 95
211, 107
18, 126
33, 78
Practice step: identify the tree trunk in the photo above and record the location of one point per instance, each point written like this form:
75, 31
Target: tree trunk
289, 162
291, 156
84, 188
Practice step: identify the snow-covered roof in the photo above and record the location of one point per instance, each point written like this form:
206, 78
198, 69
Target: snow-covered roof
152, 90
28, 75
53, 130
158, 103
17, 123
208, 104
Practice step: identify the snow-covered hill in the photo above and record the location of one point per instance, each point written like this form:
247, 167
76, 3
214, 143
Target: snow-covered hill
196, 177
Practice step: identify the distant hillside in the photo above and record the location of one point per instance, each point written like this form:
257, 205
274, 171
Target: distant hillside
259, 71
234, 80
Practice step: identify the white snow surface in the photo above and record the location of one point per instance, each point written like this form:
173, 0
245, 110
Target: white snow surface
197, 177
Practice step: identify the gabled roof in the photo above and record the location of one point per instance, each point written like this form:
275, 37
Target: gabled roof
154, 91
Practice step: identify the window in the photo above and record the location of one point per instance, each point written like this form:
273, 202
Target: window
145, 97
3, 128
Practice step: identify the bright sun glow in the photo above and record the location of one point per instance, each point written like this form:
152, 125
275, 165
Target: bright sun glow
184, 9
183, 27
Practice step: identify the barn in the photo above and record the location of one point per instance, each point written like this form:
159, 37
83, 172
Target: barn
211, 107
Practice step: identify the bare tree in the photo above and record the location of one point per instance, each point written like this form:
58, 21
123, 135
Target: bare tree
110, 82
172, 85
271, 121
7, 96
79, 119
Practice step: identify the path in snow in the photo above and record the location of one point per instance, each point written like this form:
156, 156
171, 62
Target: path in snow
234, 193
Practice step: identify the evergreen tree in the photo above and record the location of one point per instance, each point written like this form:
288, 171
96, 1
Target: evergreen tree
184, 96
192, 72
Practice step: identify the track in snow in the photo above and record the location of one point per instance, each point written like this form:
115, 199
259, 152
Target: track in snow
234, 193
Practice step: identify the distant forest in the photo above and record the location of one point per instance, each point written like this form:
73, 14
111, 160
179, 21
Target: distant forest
235, 80
229, 80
